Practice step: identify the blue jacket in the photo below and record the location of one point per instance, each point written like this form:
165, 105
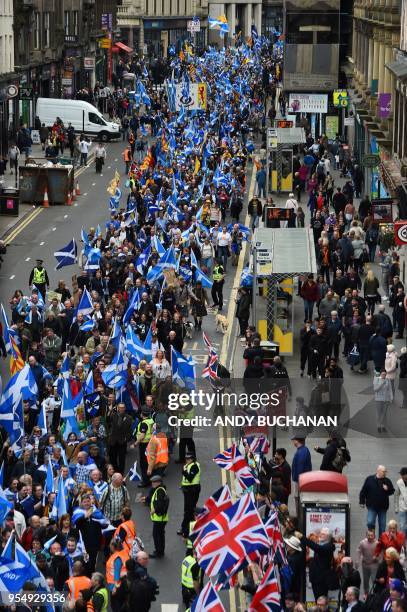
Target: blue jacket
301, 463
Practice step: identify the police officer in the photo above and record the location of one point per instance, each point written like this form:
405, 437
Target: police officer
218, 277
39, 278
191, 578
144, 432
191, 488
158, 501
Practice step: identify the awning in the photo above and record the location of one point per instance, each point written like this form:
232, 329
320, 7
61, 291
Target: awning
123, 47
399, 69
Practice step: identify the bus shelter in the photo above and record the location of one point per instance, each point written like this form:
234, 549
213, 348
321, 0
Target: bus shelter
281, 145
279, 256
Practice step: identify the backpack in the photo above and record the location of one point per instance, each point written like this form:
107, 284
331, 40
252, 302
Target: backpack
341, 458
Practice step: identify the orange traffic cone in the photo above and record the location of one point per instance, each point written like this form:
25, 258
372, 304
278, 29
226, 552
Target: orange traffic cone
69, 199
73, 193
45, 202
78, 191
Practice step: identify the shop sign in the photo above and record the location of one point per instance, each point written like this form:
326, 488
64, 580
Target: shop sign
340, 98
400, 232
308, 103
89, 63
371, 160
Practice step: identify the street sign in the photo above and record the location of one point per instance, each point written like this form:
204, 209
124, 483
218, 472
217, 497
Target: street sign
371, 160
89, 63
349, 121
340, 98
107, 21
26, 93
105, 43
194, 25
263, 256
400, 232
12, 91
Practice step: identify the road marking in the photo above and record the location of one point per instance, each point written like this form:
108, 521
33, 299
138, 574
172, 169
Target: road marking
12, 276
42, 243
85, 194
54, 229
169, 607
76, 204
101, 174
27, 258
17, 230
93, 184
116, 159
65, 216
109, 167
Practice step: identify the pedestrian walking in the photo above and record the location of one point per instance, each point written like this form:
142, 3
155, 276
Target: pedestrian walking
158, 501
383, 394
375, 494
100, 156
84, 146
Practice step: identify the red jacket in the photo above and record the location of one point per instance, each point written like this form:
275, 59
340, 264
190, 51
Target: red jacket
387, 541
310, 291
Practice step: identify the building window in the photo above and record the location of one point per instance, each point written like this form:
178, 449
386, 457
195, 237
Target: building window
75, 24
46, 30
67, 23
37, 23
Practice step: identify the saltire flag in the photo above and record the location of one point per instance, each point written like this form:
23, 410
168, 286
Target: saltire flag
267, 597
207, 600
220, 24
59, 507
85, 306
242, 228
158, 246
67, 255
115, 374
133, 305
233, 460
5, 506
134, 476
167, 261
219, 179
16, 569
93, 260
234, 534
63, 374
272, 527
183, 370
257, 444
42, 420
88, 325
142, 259
49, 481
217, 502
69, 402
201, 277
136, 347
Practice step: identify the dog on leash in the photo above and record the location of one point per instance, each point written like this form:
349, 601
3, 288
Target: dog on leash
222, 323
188, 328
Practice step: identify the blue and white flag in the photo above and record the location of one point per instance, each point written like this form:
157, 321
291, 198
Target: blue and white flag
69, 403
5, 506
200, 276
134, 305
115, 374
88, 325
167, 261
183, 370
158, 246
49, 480
59, 507
93, 260
142, 259
67, 256
134, 476
242, 228
136, 347
42, 420
85, 306
71, 426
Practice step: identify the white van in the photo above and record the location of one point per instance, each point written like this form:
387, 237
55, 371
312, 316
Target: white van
84, 117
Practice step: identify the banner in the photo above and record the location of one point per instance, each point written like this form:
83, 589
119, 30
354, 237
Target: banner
308, 103
196, 97
384, 105
331, 126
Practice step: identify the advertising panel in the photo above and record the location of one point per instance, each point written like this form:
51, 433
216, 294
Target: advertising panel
308, 103
334, 519
331, 126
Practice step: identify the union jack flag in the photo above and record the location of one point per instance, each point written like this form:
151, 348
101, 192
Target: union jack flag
207, 340
273, 530
211, 368
233, 460
219, 501
207, 600
233, 535
257, 444
267, 597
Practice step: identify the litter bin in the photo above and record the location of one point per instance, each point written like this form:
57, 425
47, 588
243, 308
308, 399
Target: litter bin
9, 201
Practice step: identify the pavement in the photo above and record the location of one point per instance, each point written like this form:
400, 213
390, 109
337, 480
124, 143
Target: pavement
49, 229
